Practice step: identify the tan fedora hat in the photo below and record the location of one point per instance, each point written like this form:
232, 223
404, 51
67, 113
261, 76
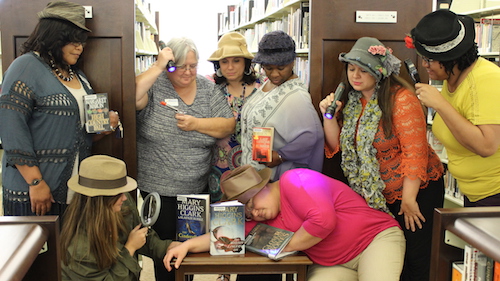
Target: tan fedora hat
243, 183
231, 44
102, 175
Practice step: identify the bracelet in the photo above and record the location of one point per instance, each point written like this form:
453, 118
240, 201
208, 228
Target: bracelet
281, 158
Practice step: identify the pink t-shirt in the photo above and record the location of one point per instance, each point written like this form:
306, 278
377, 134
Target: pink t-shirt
331, 210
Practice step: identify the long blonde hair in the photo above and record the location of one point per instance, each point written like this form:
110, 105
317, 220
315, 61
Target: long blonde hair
93, 218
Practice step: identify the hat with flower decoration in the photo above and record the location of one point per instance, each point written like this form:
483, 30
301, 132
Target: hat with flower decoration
371, 55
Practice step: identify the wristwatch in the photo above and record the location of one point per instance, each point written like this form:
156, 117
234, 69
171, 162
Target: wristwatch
35, 182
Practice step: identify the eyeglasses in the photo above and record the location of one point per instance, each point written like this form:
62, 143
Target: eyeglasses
77, 44
427, 60
185, 68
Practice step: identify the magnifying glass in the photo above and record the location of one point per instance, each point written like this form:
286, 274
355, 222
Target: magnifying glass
150, 209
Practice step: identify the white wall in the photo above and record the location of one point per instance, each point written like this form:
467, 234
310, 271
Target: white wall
195, 19
461, 6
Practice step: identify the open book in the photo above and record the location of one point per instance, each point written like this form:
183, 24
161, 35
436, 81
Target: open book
268, 241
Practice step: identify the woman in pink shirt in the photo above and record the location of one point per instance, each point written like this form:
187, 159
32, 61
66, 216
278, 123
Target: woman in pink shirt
344, 237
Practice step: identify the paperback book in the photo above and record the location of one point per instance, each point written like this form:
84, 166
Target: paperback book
96, 113
262, 144
192, 215
227, 228
268, 241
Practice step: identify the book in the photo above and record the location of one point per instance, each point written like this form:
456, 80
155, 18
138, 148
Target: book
262, 144
192, 215
227, 228
457, 271
96, 113
268, 241
496, 271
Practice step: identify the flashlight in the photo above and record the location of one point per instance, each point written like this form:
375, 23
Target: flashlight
171, 64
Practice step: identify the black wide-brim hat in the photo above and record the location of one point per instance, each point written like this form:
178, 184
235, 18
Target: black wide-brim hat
443, 35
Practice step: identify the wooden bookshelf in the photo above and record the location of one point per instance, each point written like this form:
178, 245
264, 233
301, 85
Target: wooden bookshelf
478, 226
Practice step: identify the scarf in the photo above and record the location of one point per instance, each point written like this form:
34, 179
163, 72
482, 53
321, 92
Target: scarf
359, 160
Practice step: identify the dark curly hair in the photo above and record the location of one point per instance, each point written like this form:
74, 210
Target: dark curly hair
50, 36
463, 61
247, 78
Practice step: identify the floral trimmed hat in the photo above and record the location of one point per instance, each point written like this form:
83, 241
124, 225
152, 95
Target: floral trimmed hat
371, 55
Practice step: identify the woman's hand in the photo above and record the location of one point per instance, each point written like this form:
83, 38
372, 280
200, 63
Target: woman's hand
164, 56
186, 122
429, 95
276, 160
40, 198
136, 239
327, 101
412, 215
177, 251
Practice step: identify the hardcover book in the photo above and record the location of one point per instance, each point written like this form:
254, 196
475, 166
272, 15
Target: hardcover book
268, 241
227, 228
262, 144
96, 113
192, 215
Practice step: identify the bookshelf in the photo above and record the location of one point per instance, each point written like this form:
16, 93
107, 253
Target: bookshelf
479, 227
145, 29
254, 18
488, 47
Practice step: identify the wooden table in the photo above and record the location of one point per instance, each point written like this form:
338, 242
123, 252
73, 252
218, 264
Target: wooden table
249, 263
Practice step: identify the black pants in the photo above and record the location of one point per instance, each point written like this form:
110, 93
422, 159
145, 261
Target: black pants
418, 244
165, 226
493, 200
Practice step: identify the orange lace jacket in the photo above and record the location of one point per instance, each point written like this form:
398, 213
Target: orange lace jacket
407, 152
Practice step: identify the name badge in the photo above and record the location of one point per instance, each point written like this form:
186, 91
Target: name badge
172, 102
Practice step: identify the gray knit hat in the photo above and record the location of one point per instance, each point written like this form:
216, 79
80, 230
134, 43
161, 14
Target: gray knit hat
371, 55
65, 10
276, 48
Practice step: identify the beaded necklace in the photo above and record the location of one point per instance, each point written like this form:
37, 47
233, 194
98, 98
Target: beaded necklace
236, 104
59, 74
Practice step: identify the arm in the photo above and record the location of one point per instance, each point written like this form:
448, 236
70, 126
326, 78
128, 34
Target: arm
194, 245
217, 127
301, 240
330, 126
409, 205
40, 195
483, 140
145, 80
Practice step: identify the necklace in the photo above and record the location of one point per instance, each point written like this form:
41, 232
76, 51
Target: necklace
59, 74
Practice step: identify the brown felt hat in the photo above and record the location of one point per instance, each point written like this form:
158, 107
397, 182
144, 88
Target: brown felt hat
243, 183
232, 44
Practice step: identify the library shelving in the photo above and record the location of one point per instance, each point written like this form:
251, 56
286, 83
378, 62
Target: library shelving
478, 227
254, 18
145, 29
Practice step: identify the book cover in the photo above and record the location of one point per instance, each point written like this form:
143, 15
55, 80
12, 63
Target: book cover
496, 271
457, 271
227, 228
192, 215
268, 241
262, 144
96, 113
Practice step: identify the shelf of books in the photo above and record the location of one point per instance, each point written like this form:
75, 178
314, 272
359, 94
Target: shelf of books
487, 31
254, 18
145, 29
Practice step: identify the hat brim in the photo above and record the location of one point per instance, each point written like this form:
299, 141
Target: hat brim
91, 192
246, 195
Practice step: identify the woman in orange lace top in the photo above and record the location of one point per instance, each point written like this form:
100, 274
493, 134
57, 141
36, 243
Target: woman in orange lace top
380, 127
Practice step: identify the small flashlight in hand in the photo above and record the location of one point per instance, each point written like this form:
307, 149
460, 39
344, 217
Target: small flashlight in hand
171, 64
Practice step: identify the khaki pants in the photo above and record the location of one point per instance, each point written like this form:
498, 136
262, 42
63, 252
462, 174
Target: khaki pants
382, 260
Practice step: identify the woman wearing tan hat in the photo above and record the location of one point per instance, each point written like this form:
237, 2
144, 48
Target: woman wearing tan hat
41, 108
283, 103
467, 119
236, 79
380, 129
102, 235
341, 234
